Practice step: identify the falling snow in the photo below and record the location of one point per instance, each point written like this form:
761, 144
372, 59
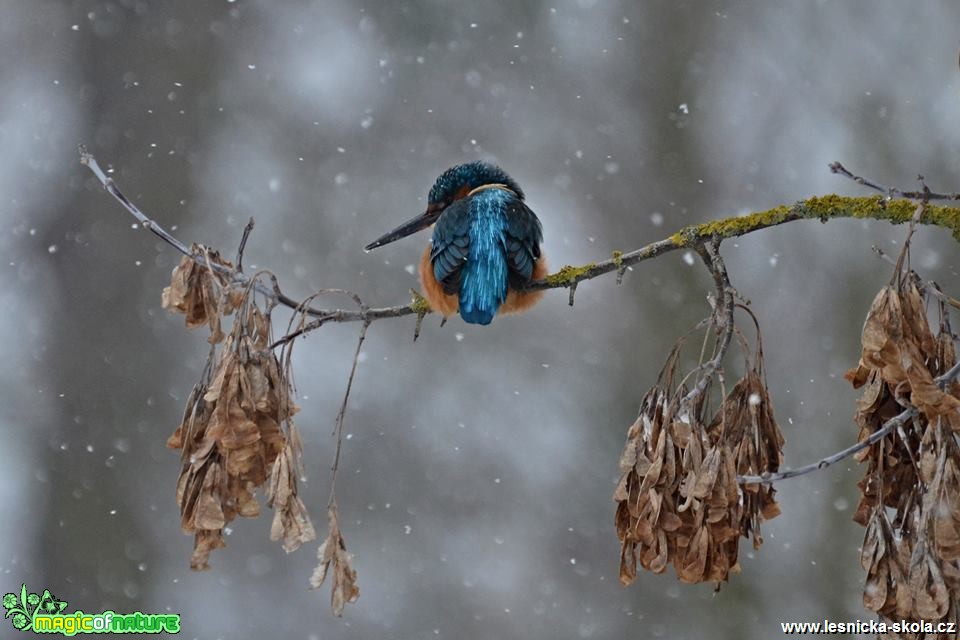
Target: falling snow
326, 123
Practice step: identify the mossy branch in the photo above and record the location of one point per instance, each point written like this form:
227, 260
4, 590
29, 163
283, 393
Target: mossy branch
822, 208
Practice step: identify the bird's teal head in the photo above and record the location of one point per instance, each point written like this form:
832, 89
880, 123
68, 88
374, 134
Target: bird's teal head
452, 185
457, 182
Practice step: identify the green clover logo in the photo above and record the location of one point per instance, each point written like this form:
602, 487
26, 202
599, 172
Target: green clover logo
20, 622
22, 609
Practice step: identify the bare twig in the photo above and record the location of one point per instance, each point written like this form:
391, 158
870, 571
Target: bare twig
950, 375
316, 323
888, 427
892, 192
87, 159
243, 244
898, 422
883, 255
306, 327
287, 344
338, 429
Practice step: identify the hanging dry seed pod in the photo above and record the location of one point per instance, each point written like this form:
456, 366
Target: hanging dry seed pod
745, 440
232, 437
678, 500
648, 474
291, 522
912, 560
333, 552
755, 444
886, 588
201, 292
898, 345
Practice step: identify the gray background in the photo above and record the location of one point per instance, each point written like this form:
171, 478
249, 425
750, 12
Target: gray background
476, 484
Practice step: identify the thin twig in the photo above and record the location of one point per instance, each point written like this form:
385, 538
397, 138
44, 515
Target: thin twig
338, 429
888, 427
87, 159
316, 323
891, 192
883, 255
895, 423
950, 375
243, 244
931, 287
301, 313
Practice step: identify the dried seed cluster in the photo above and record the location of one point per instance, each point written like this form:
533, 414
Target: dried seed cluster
237, 431
910, 492
678, 500
201, 292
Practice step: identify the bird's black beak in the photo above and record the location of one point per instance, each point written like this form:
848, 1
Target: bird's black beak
422, 221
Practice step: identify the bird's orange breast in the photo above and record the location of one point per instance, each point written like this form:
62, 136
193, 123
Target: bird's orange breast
447, 304
440, 301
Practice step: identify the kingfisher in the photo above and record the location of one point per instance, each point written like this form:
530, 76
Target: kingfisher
485, 246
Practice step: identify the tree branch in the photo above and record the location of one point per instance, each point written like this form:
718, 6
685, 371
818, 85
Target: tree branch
817, 208
888, 427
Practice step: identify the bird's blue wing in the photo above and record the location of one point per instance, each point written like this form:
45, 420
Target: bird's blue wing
522, 241
451, 245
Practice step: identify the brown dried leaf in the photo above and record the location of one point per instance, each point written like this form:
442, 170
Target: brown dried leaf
708, 474
290, 519
203, 543
195, 291
872, 557
333, 553
931, 597
207, 512
628, 562
694, 563
942, 504
175, 297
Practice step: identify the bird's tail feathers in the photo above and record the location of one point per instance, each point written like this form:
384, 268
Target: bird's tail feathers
483, 288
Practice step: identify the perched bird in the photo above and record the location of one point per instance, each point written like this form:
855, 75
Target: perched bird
486, 244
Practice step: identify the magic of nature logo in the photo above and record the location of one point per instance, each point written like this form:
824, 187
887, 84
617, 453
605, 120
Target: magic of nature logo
44, 613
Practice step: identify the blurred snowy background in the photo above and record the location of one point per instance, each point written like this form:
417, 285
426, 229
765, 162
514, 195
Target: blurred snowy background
477, 478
